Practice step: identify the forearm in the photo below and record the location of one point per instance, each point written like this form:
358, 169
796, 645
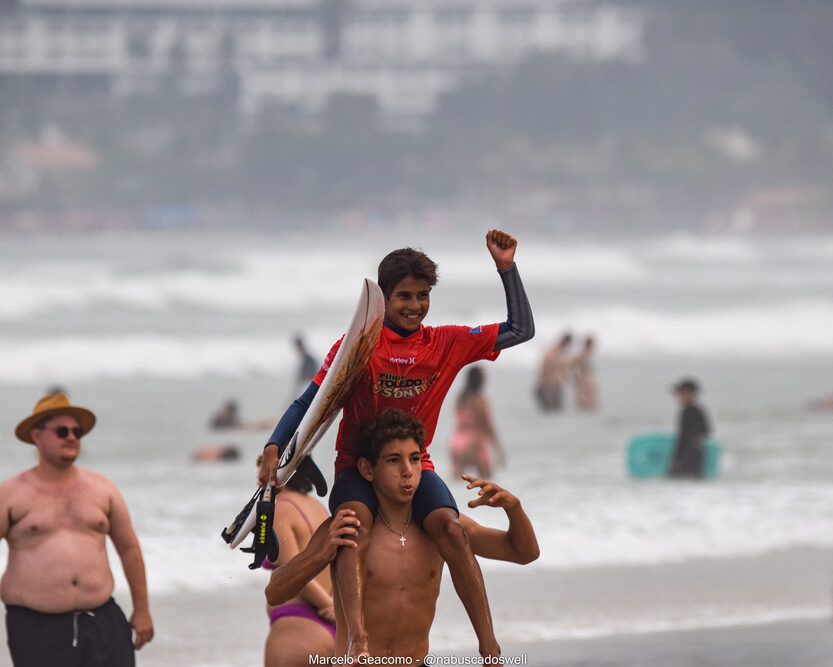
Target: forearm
288, 423
288, 580
521, 536
134, 572
519, 326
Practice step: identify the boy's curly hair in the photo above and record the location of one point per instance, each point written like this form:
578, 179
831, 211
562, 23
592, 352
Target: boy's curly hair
389, 424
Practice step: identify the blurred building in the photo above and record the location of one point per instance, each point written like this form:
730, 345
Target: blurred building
403, 53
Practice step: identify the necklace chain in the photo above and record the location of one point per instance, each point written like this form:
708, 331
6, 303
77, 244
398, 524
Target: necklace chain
388, 526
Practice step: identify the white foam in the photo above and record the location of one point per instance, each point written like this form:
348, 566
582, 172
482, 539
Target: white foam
549, 263
656, 523
704, 249
205, 565
266, 276
781, 329
255, 281
82, 358
691, 619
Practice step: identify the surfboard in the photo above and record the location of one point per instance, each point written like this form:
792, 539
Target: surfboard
649, 455
346, 368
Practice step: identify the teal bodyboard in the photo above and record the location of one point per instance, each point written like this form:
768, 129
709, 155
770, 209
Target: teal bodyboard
649, 455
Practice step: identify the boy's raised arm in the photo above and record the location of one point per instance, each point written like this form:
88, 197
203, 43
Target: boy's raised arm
519, 326
502, 248
518, 543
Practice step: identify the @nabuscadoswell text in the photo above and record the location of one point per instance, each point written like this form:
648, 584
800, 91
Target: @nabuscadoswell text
428, 660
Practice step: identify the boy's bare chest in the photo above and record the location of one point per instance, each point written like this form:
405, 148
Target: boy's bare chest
402, 562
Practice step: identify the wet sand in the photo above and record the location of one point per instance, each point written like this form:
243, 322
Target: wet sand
805, 643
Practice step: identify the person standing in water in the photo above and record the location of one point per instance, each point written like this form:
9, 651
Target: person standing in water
584, 378
553, 374
474, 435
307, 368
693, 429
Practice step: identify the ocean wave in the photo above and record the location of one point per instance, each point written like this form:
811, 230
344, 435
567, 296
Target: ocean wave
262, 282
270, 277
577, 529
257, 282
700, 249
660, 524
77, 358
553, 264
784, 331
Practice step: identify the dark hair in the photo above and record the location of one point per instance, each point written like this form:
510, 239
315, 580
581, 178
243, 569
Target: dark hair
474, 383
299, 482
474, 379
687, 384
389, 424
399, 264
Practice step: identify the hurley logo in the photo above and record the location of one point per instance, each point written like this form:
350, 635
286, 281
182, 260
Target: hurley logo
402, 360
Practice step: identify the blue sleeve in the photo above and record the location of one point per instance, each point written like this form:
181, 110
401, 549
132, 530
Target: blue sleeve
519, 326
288, 424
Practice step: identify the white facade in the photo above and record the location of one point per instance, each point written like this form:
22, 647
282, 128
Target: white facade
405, 53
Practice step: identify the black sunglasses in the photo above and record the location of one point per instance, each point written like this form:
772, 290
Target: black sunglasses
64, 431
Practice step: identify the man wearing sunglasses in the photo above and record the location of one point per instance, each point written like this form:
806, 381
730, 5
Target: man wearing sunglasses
58, 585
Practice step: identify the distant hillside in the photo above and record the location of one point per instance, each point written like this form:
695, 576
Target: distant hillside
727, 120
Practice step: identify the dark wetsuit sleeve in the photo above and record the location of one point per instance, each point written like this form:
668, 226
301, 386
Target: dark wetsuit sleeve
288, 424
519, 326
694, 424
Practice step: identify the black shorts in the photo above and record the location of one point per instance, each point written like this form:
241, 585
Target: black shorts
99, 637
431, 494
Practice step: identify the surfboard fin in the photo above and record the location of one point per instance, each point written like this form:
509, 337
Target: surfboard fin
287, 452
264, 542
308, 468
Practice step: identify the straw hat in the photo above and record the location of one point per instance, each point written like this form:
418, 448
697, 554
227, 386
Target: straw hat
49, 406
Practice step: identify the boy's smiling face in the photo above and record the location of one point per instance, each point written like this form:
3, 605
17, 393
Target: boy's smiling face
408, 303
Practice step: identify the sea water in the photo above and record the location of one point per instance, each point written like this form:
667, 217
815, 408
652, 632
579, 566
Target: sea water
154, 330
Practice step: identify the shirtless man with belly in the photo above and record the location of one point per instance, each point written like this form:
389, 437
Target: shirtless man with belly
57, 585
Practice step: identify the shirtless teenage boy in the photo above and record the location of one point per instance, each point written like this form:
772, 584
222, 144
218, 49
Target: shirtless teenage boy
553, 373
412, 368
57, 586
404, 567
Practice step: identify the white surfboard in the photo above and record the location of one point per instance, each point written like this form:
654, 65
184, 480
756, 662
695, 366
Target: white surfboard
345, 369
